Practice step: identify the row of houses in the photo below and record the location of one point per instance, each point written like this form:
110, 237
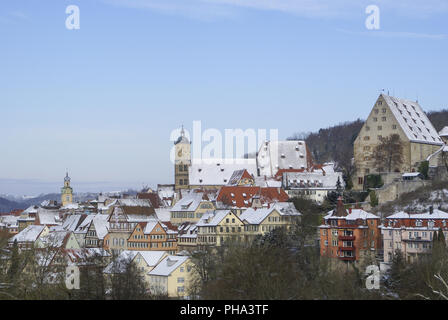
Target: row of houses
355, 235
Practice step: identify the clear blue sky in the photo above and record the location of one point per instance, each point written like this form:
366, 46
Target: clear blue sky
103, 100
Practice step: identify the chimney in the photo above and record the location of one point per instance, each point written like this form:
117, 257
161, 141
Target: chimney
350, 210
431, 210
340, 210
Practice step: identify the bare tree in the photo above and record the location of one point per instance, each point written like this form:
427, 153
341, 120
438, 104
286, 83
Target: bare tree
389, 153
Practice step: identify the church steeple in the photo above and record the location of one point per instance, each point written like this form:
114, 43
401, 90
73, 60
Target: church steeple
66, 191
182, 161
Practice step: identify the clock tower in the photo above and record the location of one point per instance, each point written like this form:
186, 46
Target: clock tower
66, 191
182, 161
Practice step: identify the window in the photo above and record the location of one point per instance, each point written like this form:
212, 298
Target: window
360, 180
180, 280
384, 110
380, 128
366, 138
394, 127
383, 119
375, 119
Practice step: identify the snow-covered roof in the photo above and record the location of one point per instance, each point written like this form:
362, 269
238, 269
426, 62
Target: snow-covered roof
31, 209
275, 155
189, 202
165, 191
312, 180
212, 218
101, 224
411, 174
267, 183
70, 206
163, 214
54, 239
413, 120
84, 225
444, 132
168, 265
120, 263
437, 214
71, 222
256, 216
354, 215
134, 202
9, 220
29, 234
126, 256
218, 171
152, 258
48, 217
286, 208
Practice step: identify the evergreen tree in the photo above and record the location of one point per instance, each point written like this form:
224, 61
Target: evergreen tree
373, 199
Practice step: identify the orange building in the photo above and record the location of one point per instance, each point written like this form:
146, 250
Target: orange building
350, 235
153, 235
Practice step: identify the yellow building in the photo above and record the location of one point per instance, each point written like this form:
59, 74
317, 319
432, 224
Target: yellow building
190, 208
390, 116
172, 277
182, 161
66, 192
145, 261
215, 228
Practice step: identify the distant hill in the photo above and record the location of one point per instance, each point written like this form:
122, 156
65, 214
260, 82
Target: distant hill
8, 205
336, 143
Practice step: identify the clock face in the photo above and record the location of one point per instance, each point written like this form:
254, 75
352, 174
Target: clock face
179, 154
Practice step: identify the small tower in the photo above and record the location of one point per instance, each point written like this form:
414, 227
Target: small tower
182, 161
66, 191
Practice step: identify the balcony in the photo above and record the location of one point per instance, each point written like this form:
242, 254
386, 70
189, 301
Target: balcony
346, 238
347, 248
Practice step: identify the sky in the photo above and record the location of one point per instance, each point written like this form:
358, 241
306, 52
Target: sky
103, 100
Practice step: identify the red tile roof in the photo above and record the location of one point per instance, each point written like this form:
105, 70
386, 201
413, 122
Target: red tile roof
237, 195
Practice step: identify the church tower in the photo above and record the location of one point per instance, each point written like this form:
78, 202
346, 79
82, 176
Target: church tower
66, 192
182, 161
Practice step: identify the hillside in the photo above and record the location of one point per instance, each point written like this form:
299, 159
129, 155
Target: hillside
8, 205
336, 143
418, 201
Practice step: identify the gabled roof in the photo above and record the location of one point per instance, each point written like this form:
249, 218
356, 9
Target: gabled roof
444, 132
56, 239
168, 265
213, 218
277, 155
29, 234
413, 120
48, 217
190, 201
237, 175
101, 224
